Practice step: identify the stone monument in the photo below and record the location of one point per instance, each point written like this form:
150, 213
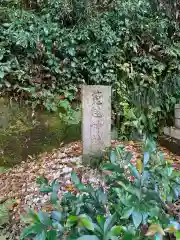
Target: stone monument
171, 138
96, 125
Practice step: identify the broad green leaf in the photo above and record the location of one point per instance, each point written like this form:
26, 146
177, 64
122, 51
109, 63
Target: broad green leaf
170, 229
42, 180
170, 170
54, 197
101, 220
75, 178
81, 187
56, 215
44, 218
122, 185
64, 104
45, 189
41, 236
173, 227
113, 168
145, 176
2, 75
134, 171
158, 236
109, 223
114, 238
176, 191
116, 230
86, 222
177, 236
55, 186
51, 235
98, 229
102, 196
127, 213
161, 156
113, 157
137, 218
145, 217
34, 216
153, 229
146, 158
71, 221
88, 237
128, 157
154, 211
128, 236
58, 226
139, 166
33, 229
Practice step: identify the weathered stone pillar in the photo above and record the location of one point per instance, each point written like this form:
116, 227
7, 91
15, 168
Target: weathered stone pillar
177, 116
96, 122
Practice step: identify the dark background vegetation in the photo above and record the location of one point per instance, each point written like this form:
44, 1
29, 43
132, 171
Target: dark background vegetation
48, 48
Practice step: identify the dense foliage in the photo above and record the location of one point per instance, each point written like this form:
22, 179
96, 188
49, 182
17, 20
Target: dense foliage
46, 46
139, 208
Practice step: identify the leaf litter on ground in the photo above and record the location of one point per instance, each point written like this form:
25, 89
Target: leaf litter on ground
19, 182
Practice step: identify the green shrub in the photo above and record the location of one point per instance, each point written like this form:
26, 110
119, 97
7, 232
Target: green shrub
129, 209
46, 46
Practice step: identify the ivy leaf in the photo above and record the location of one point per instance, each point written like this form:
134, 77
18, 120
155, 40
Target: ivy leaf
137, 218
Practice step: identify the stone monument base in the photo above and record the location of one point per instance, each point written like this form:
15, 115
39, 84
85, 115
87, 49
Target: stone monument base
171, 139
171, 144
93, 160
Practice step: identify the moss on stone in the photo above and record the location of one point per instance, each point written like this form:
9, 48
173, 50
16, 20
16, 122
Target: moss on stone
22, 135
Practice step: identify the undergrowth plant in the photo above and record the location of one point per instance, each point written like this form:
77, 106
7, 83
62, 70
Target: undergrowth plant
139, 203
